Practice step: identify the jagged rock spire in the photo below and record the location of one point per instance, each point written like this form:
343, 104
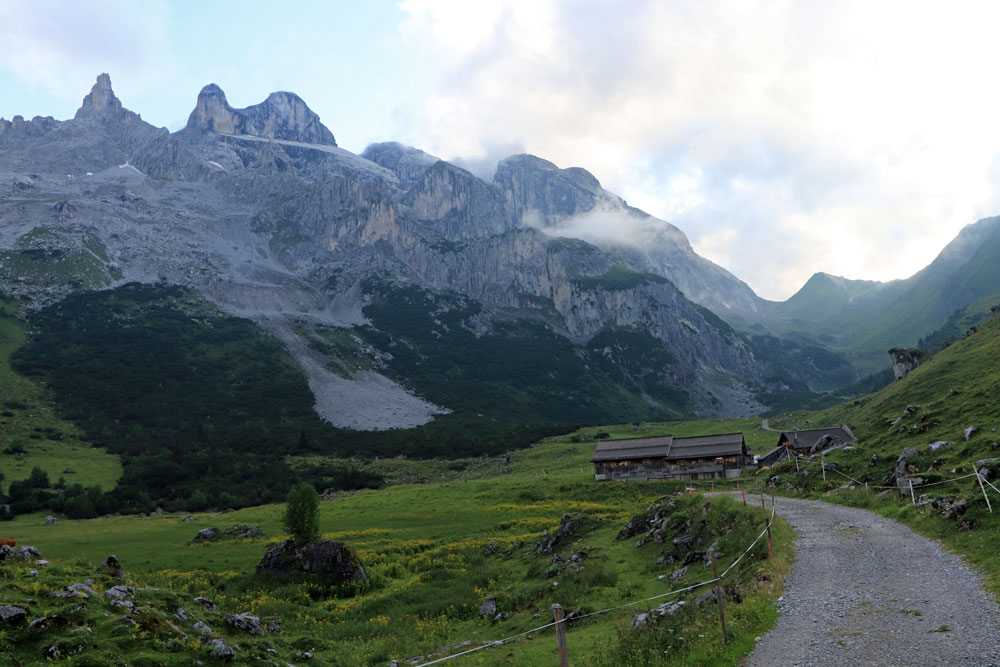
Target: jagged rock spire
101, 100
282, 115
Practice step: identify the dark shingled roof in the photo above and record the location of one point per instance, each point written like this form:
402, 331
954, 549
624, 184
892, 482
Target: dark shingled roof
776, 455
633, 448
670, 448
809, 437
704, 446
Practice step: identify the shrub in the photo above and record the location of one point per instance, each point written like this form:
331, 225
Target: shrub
301, 517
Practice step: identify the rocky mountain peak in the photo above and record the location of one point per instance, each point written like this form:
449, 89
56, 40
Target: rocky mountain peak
282, 115
408, 163
102, 102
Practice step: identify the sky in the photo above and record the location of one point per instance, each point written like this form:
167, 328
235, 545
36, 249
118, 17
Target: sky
784, 138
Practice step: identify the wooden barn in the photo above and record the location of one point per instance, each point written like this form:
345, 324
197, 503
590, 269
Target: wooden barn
806, 442
667, 457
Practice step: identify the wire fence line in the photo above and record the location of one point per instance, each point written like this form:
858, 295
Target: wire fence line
659, 596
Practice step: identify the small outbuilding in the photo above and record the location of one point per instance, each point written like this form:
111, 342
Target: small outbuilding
805, 442
667, 457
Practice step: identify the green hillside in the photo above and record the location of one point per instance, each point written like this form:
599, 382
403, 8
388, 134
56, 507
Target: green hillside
957, 388
202, 408
32, 435
863, 319
426, 548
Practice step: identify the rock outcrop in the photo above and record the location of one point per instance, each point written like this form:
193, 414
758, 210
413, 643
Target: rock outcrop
326, 558
284, 116
904, 360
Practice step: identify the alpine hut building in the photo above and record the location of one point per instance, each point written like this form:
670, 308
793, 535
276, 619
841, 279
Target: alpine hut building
667, 457
805, 442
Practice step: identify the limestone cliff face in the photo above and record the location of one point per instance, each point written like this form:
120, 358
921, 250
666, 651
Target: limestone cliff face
281, 116
535, 186
524, 269
454, 202
261, 211
408, 163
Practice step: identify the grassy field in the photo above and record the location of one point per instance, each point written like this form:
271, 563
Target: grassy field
28, 421
423, 547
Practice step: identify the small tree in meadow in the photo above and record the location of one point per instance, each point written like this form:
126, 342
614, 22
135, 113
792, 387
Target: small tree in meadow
301, 517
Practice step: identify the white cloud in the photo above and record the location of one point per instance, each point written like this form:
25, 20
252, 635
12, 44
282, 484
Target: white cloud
785, 138
61, 47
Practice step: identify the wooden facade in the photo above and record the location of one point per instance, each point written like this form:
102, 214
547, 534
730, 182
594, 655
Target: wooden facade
667, 457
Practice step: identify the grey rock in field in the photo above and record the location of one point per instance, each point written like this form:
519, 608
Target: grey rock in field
119, 592
935, 446
51, 652
127, 605
490, 549
41, 562
28, 553
678, 573
180, 615
49, 520
273, 626
568, 525
640, 621
956, 510
244, 530
221, 650
10, 614
669, 608
908, 453
188, 518
206, 603
46, 621
971, 431
909, 410
488, 607
159, 510
69, 470
83, 589
114, 566
328, 558
206, 535
246, 622
202, 629
7, 552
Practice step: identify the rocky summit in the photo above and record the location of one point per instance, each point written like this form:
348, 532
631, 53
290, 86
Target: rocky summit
389, 276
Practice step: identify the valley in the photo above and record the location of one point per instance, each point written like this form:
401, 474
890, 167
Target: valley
192, 322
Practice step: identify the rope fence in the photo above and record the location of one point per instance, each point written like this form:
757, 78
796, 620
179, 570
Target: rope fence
562, 621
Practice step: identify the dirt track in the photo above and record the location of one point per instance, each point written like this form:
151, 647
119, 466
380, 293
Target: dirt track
868, 591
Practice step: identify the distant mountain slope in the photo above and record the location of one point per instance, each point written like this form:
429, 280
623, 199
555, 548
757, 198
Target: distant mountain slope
864, 318
259, 210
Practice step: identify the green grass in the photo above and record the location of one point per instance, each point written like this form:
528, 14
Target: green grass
422, 545
618, 278
28, 420
954, 389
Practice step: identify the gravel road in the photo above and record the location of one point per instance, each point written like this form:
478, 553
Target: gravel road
866, 590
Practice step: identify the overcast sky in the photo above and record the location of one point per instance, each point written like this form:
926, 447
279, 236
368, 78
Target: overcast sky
783, 138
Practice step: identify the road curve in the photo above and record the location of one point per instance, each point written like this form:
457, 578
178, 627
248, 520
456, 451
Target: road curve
866, 590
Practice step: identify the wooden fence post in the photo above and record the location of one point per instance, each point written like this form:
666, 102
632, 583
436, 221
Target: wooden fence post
718, 597
770, 552
557, 615
980, 480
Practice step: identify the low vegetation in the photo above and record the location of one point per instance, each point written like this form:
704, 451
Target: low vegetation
430, 567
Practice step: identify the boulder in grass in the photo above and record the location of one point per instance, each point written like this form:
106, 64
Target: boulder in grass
246, 622
221, 650
328, 558
10, 614
206, 535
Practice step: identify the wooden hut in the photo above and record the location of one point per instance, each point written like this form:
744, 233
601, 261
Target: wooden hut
667, 457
